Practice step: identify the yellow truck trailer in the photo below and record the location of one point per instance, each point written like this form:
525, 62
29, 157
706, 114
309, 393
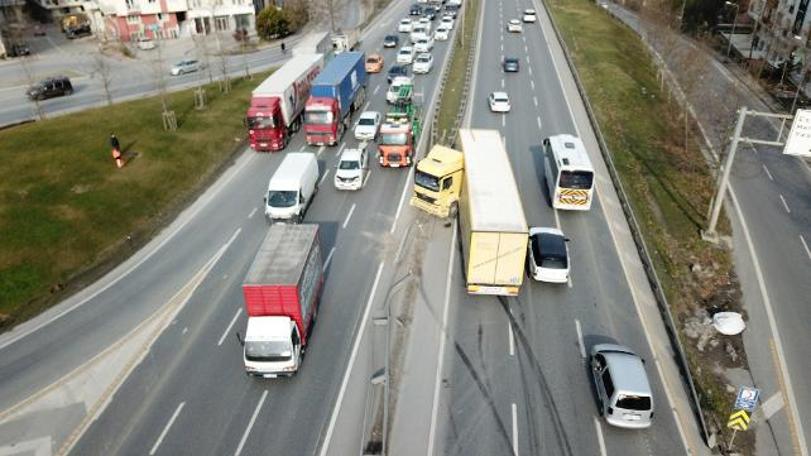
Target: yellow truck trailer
491, 219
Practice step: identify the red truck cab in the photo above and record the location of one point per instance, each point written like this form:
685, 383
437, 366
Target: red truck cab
266, 129
322, 121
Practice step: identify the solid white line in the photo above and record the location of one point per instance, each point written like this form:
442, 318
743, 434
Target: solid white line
535, 100
345, 381
539, 122
807, 251
440, 358
515, 428
323, 178
230, 325
376, 89
600, 439
580, 343
511, 338
252, 212
402, 199
532, 83
166, 428
250, 423
785, 205
768, 173
349, 215
329, 258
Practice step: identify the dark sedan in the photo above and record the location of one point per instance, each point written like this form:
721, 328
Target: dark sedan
416, 10
397, 70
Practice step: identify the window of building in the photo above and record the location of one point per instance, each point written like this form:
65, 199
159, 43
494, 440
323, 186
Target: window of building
221, 23
160, 17
133, 19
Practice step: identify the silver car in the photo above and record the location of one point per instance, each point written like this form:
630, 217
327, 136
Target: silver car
185, 66
623, 393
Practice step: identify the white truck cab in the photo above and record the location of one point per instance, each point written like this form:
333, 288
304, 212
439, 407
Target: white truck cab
272, 347
291, 188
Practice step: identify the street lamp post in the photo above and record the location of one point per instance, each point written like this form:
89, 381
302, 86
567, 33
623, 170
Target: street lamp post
734, 23
757, 27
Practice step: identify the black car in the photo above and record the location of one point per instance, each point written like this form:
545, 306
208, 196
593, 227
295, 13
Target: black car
49, 88
452, 10
19, 49
391, 41
396, 70
415, 10
510, 65
430, 12
78, 31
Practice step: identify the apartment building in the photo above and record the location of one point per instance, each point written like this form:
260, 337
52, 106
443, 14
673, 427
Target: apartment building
782, 30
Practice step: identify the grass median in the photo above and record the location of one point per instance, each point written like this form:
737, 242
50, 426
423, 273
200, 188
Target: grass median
667, 180
66, 211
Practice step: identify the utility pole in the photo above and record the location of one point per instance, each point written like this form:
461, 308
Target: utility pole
734, 22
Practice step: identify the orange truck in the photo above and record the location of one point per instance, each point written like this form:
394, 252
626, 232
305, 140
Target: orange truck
396, 144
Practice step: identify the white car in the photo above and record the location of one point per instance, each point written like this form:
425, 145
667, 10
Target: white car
393, 94
426, 22
405, 55
418, 32
447, 21
423, 63
352, 171
368, 125
529, 16
548, 255
145, 44
405, 26
442, 33
514, 26
499, 102
424, 45
185, 66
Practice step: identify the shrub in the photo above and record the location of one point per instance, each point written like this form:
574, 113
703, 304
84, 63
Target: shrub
272, 23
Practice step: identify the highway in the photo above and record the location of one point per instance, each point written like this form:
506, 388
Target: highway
518, 379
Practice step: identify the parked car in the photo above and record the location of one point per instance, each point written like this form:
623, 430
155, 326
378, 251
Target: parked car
78, 31
185, 66
529, 16
404, 26
624, 394
396, 71
19, 49
368, 125
510, 65
514, 26
49, 88
548, 255
391, 41
352, 171
499, 102
374, 63
424, 45
405, 55
423, 63
145, 44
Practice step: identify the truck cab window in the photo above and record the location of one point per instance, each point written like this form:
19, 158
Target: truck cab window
446, 184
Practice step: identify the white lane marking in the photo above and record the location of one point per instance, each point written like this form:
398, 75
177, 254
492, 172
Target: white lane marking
502, 37
539, 122
166, 428
324, 177
250, 423
252, 212
442, 330
340, 149
502, 47
580, 343
532, 83
503, 120
376, 89
785, 205
366, 105
807, 251
185, 330
515, 428
528, 61
600, 439
768, 173
230, 325
526, 49
502, 83
511, 338
569, 281
355, 345
349, 215
329, 258
320, 151
772, 405
535, 100
135, 266
402, 200
530, 70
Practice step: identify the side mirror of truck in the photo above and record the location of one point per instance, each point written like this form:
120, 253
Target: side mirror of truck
239, 338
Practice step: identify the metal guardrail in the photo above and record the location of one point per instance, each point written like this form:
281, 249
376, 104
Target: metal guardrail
636, 233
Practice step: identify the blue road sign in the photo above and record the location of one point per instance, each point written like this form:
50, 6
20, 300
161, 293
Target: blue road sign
747, 398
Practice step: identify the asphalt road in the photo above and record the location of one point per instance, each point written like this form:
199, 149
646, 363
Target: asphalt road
517, 380
197, 361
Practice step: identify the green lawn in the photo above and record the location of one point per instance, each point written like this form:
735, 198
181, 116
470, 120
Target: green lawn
65, 208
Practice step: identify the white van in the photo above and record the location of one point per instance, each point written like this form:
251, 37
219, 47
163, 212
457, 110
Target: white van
291, 188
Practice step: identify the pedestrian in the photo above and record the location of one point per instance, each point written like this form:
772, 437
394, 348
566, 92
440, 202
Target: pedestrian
283, 48
116, 146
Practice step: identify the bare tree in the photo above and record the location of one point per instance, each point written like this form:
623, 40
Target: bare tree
159, 73
201, 44
31, 79
225, 82
103, 68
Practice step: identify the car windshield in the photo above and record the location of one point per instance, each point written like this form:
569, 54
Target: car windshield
366, 121
318, 117
372, 60
260, 122
394, 139
426, 180
512, 61
499, 99
423, 59
581, 180
549, 251
348, 164
282, 198
631, 402
268, 351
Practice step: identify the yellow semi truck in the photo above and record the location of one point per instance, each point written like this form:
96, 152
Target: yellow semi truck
438, 182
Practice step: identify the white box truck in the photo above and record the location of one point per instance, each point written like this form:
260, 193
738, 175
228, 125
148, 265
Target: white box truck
292, 188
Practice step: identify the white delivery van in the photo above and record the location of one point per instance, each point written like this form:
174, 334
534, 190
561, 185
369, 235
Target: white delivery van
291, 188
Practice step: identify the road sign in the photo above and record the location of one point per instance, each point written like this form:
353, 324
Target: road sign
799, 138
747, 398
739, 421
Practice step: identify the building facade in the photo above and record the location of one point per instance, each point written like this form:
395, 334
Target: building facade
782, 30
